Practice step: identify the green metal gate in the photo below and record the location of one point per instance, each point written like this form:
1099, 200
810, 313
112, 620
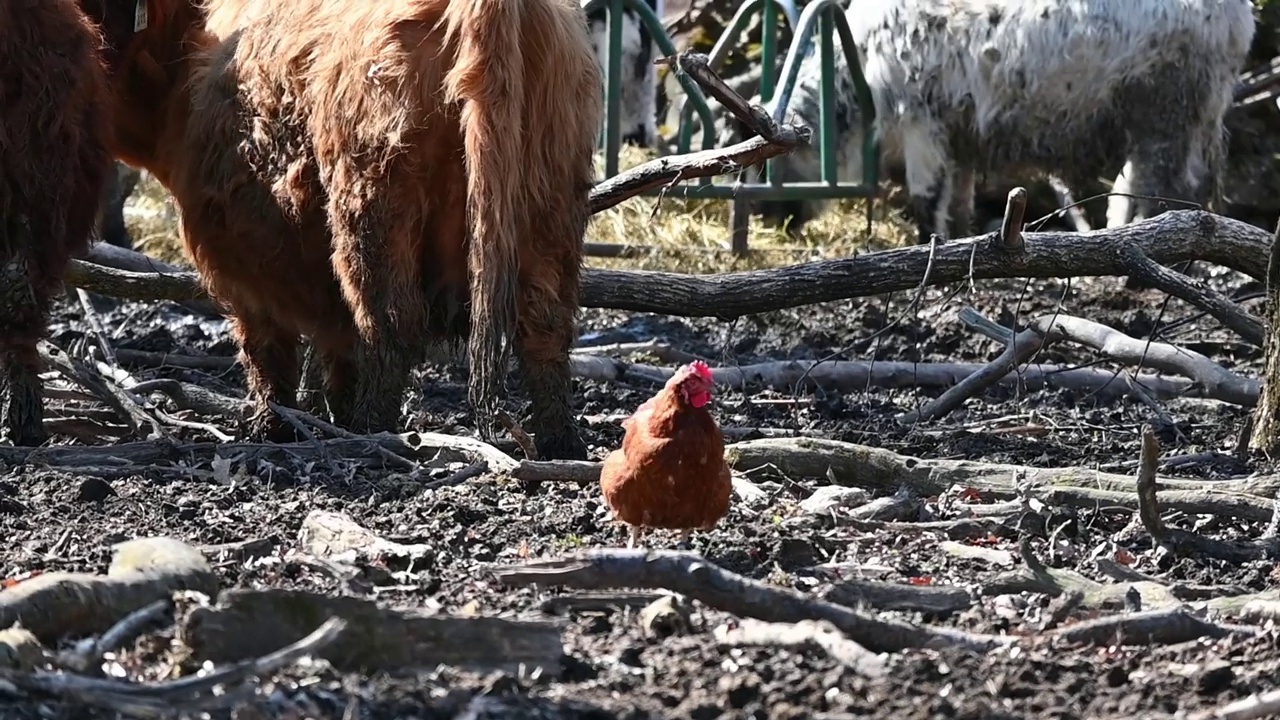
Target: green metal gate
826, 17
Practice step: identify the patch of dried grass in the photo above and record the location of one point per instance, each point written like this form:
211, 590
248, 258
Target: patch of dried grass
692, 236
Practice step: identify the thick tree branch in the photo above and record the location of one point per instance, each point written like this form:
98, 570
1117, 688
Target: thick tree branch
1167, 238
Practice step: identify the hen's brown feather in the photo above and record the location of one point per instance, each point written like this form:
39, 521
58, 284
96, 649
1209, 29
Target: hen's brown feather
670, 471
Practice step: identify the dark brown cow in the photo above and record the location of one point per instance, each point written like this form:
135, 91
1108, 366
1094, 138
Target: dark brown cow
377, 176
54, 160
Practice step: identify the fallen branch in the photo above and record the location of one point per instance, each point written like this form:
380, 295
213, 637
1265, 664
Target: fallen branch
936, 599
245, 622
1034, 577
1017, 352
806, 633
1166, 626
57, 605
1168, 238
190, 694
691, 575
832, 461
103, 388
87, 656
1216, 381
785, 375
112, 256
1182, 541
1257, 705
1180, 286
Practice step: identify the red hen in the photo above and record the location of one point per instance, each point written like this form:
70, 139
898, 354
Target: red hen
670, 472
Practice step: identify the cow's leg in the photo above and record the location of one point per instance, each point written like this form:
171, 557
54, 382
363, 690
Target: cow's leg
269, 354
377, 263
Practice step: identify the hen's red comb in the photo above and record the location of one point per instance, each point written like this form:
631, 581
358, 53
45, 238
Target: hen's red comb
699, 368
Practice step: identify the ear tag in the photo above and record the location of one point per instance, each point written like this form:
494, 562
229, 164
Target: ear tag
140, 16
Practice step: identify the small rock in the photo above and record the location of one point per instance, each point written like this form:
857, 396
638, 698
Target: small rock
829, 497
157, 555
1216, 677
795, 551
94, 489
665, 616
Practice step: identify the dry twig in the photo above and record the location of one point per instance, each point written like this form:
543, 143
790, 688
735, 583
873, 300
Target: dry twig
194, 693
694, 576
1182, 541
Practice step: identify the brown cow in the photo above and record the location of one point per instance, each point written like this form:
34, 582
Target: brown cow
377, 176
54, 160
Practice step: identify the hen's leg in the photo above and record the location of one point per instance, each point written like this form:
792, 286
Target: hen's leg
684, 541
634, 539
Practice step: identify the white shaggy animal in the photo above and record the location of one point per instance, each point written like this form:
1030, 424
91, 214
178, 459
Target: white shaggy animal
638, 107
1069, 87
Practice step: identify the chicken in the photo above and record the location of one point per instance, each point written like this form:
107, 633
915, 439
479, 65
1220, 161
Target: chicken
670, 471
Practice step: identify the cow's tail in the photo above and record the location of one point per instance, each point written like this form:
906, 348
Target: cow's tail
487, 82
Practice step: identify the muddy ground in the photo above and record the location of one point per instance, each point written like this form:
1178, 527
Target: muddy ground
53, 520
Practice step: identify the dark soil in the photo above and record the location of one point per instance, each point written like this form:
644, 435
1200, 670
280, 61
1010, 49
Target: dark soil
613, 669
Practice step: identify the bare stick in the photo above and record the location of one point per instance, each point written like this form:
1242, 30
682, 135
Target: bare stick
158, 359
1205, 298
1217, 381
306, 433
469, 472
1257, 705
188, 396
1166, 626
1182, 541
841, 463
154, 700
122, 633
849, 375
105, 390
111, 256
800, 635
1025, 345
1011, 226
95, 323
697, 578
1019, 348
939, 599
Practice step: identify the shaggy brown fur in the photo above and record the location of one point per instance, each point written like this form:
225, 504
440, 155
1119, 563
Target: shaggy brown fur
377, 176
53, 163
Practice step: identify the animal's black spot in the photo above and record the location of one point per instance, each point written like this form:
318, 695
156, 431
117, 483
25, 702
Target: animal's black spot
1044, 14
994, 15
1068, 87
